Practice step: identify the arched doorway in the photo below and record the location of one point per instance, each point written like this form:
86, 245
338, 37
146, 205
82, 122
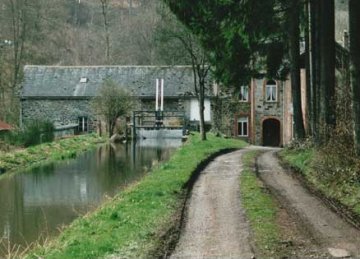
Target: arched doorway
271, 132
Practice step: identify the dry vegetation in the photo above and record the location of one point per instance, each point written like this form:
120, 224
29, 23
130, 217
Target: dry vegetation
72, 32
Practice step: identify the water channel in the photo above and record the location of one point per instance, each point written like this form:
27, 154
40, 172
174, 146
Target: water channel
34, 204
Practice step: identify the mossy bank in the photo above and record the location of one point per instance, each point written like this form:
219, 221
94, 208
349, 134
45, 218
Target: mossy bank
57, 150
133, 224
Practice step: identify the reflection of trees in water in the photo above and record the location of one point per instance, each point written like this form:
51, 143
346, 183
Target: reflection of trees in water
37, 202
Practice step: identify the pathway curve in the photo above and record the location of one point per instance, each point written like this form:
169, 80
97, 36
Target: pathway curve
334, 235
215, 225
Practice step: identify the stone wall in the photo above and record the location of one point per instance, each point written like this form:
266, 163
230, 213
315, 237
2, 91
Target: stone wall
65, 112
264, 110
60, 112
227, 109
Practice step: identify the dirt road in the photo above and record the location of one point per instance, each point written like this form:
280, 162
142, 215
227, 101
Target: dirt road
331, 232
216, 226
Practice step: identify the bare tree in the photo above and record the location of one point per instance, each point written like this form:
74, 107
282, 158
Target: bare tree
105, 10
196, 55
18, 9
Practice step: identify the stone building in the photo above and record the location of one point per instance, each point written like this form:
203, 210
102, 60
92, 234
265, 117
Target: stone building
260, 112
62, 95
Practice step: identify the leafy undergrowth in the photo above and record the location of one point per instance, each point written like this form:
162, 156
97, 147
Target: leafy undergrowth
57, 150
333, 174
260, 209
131, 225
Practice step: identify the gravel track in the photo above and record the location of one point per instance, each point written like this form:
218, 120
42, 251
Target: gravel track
215, 224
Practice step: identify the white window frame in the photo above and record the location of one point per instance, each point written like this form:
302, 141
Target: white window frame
243, 123
83, 123
271, 91
244, 93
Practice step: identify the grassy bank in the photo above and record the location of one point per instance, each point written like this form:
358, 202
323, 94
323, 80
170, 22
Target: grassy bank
335, 183
133, 223
57, 150
261, 210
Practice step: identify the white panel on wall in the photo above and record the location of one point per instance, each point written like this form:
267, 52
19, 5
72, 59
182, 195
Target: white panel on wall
194, 110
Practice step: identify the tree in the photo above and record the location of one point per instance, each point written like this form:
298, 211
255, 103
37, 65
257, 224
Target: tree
327, 68
196, 55
112, 103
233, 33
105, 10
293, 20
354, 20
18, 9
314, 68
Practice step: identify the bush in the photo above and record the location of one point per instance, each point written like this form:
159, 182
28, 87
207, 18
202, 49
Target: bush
34, 133
336, 162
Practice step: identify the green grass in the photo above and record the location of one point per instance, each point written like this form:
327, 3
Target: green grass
57, 150
299, 159
131, 224
260, 209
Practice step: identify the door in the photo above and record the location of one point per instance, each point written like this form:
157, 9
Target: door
271, 133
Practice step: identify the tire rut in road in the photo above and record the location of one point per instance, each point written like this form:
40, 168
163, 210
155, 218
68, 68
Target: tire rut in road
332, 233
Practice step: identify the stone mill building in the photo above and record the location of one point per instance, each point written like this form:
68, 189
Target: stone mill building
260, 112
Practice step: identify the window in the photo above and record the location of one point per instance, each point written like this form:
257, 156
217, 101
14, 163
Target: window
271, 91
84, 80
243, 123
244, 94
83, 124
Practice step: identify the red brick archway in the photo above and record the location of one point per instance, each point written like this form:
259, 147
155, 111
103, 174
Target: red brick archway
271, 132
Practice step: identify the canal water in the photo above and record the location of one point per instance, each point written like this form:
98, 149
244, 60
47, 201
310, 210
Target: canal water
35, 204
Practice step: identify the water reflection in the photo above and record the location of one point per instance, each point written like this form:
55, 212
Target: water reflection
35, 203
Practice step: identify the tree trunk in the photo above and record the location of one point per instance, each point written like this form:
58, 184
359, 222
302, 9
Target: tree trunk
202, 109
294, 39
354, 20
315, 69
327, 68
19, 28
308, 117
104, 6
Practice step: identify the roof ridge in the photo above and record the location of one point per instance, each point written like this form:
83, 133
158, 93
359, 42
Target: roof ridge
108, 66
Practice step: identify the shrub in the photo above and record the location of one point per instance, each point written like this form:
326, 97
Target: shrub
34, 133
337, 162
38, 132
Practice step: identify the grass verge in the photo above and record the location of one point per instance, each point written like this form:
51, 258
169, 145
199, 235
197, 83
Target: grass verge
341, 193
133, 223
57, 150
261, 210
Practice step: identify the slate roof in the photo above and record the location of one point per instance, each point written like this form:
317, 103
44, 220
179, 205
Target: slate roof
64, 81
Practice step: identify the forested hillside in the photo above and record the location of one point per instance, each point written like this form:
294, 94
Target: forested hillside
78, 32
